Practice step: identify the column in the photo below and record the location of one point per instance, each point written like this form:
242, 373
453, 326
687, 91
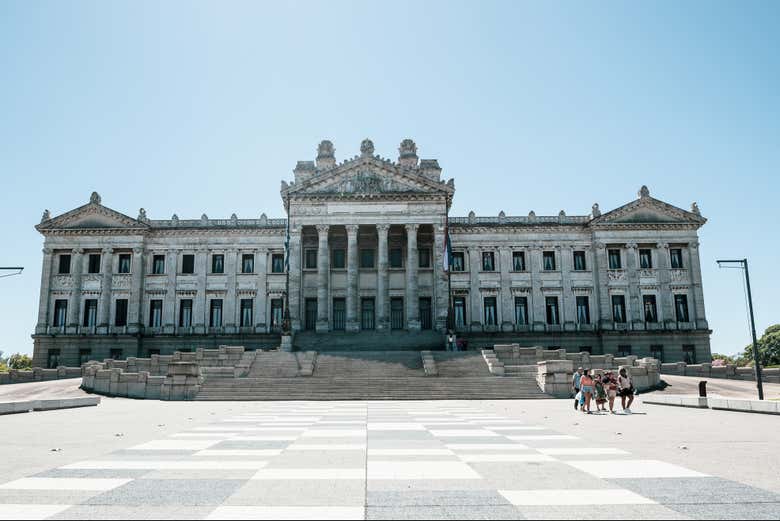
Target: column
412, 293
505, 293
696, 287
74, 306
323, 278
601, 280
539, 319
200, 311
294, 289
169, 305
475, 296
352, 278
441, 294
231, 298
632, 275
104, 304
44, 320
136, 292
383, 279
666, 304
569, 304
261, 294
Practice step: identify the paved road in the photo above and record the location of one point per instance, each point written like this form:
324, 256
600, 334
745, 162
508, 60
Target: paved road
375, 460
54, 389
717, 387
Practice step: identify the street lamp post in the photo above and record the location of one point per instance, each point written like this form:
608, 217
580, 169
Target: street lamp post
743, 264
16, 269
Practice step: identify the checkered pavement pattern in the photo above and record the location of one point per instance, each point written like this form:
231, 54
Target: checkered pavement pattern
376, 460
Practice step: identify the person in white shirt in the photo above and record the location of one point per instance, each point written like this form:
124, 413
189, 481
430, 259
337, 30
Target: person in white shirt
625, 390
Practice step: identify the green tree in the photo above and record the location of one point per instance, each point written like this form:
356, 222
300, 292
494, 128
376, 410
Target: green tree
726, 358
768, 348
19, 361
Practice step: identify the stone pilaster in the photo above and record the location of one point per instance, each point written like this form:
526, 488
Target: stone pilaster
440, 290
231, 298
169, 305
412, 292
104, 303
601, 280
539, 318
352, 278
634, 312
323, 277
696, 287
74, 306
666, 304
569, 304
475, 297
261, 295
294, 296
383, 279
505, 289
200, 309
44, 320
136, 291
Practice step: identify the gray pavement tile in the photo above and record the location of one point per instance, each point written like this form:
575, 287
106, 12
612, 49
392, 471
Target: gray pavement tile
399, 435
729, 511
346, 459
180, 455
420, 498
536, 475
409, 457
250, 444
428, 484
469, 439
709, 490
171, 492
135, 512
43, 497
92, 473
600, 512
300, 492
219, 474
429, 443
449, 512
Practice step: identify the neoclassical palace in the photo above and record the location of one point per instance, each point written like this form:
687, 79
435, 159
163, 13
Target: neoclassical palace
367, 270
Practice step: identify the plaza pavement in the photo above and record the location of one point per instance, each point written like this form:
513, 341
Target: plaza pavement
386, 460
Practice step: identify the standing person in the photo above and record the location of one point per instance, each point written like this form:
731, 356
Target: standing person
612, 387
586, 388
626, 390
575, 385
601, 393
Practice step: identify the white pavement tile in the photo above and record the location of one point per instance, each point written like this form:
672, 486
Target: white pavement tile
64, 484
310, 474
335, 433
239, 452
582, 451
565, 497
206, 435
409, 470
16, 511
326, 446
285, 513
269, 437
463, 433
395, 427
542, 437
504, 458
177, 444
168, 464
410, 452
514, 427
617, 469
487, 446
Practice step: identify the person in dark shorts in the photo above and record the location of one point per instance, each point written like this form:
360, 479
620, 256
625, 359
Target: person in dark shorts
625, 390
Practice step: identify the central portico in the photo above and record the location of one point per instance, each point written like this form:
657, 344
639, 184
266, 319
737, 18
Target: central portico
366, 242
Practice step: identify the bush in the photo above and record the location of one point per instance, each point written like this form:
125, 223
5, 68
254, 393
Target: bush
19, 361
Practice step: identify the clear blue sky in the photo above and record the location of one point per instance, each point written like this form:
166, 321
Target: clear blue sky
194, 107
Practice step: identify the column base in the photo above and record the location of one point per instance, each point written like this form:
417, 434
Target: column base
322, 326
413, 325
352, 327
383, 326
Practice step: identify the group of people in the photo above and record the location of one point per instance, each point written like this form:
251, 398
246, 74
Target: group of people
603, 389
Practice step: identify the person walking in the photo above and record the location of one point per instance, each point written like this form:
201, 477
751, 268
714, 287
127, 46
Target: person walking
575, 385
611, 385
626, 390
600, 393
586, 389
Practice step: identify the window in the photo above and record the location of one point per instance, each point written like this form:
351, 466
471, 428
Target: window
367, 313
53, 358
675, 254
115, 353
124, 263
247, 263
459, 304
424, 258
551, 307
396, 258
277, 313
155, 313
60, 313
579, 261
518, 261
681, 308
90, 312
488, 261
548, 261
120, 312
426, 314
218, 263
396, 313
188, 264
310, 259
84, 355
689, 354
619, 308
614, 260
367, 258
185, 312
624, 351
586, 349
521, 311
64, 264
657, 352
651, 311
491, 311
246, 312
277, 263
583, 310
645, 259
94, 263
158, 265
310, 315
458, 261
339, 259
339, 314
215, 313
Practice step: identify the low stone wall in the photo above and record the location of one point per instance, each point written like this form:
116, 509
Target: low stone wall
729, 371
554, 376
39, 374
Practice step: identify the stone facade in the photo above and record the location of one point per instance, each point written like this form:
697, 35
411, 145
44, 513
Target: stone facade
366, 243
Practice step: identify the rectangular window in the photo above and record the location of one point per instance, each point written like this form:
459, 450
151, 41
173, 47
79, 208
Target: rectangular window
396, 258
367, 313
277, 313
247, 305
215, 313
689, 354
579, 261
247, 263
60, 313
426, 313
614, 260
675, 254
657, 352
124, 263
155, 313
90, 312
64, 264
583, 310
551, 307
339, 314
339, 259
120, 312
310, 259
277, 263
367, 258
624, 351
645, 259
458, 261
396, 313
158, 264
548, 261
188, 264
518, 261
115, 353
681, 308
650, 309
94, 263
459, 304
85, 355
310, 316
521, 311
185, 312
491, 311
53, 358
218, 263
488, 261
619, 308
424, 258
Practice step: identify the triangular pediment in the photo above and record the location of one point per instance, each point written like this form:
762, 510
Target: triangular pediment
91, 216
647, 211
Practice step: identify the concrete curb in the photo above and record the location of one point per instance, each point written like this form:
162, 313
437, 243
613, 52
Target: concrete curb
47, 405
716, 403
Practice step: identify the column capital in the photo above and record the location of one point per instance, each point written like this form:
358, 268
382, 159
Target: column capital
662, 245
382, 228
352, 229
138, 250
693, 245
47, 251
77, 251
632, 245
107, 251
411, 228
323, 228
